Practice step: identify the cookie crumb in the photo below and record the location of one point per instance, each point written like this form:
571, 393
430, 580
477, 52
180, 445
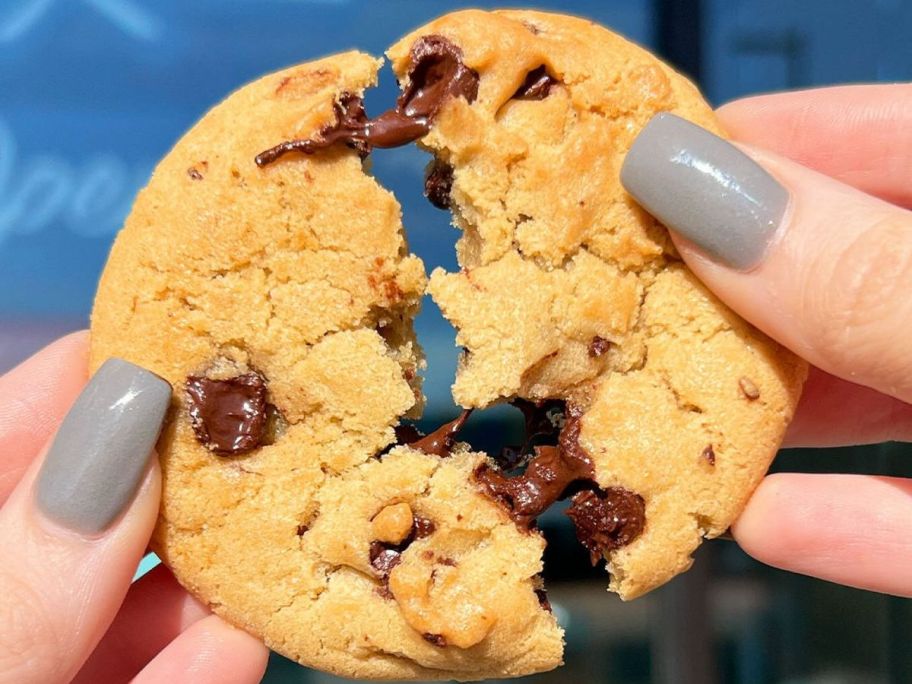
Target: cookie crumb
749, 389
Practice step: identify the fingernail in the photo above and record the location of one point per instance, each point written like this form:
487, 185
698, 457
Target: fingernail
99, 456
705, 189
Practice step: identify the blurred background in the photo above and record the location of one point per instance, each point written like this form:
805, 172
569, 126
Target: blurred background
94, 92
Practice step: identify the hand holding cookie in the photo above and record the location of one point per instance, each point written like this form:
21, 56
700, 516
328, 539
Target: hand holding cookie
79, 502
806, 236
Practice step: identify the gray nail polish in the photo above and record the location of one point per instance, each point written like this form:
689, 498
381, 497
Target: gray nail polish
705, 189
99, 456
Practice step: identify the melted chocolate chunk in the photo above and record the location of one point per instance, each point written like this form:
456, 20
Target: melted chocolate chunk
229, 416
438, 183
543, 423
599, 346
436, 74
194, 174
709, 454
547, 476
440, 442
302, 529
537, 85
606, 520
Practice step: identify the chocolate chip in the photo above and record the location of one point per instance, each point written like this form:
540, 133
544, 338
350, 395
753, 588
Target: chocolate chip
537, 85
228, 416
302, 529
709, 455
194, 174
421, 528
438, 183
436, 74
543, 599
532, 28
449, 562
436, 639
383, 558
440, 442
606, 520
749, 389
599, 346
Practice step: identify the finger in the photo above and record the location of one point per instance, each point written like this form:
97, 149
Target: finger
860, 135
157, 609
823, 268
34, 396
834, 412
209, 652
74, 530
850, 529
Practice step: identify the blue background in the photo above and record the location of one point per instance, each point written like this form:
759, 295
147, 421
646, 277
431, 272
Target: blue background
94, 92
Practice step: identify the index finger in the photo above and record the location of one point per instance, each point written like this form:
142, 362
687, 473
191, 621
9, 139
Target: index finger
34, 397
860, 135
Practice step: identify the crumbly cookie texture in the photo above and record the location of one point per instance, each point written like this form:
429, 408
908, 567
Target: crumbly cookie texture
568, 290
290, 287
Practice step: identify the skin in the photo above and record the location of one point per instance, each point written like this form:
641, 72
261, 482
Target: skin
833, 287
68, 609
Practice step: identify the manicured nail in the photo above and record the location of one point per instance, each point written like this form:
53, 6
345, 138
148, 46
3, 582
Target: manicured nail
705, 189
99, 456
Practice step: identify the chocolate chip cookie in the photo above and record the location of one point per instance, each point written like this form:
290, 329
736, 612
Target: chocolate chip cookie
266, 276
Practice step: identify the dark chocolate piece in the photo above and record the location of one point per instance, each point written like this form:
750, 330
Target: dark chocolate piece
229, 416
537, 85
599, 346
302, 529
436, 74
384, 558
194, 174
437, 639
547, 476
421, 528
606, 520
438, 183
440, 442
709, 454
543, 599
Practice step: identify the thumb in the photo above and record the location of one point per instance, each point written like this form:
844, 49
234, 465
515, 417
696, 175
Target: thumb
819, 266
73, 532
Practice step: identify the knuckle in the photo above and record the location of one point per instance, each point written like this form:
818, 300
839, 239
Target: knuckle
30, 645
864, 306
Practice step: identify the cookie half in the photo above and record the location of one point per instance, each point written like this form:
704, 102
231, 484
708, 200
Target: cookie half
569, 291
277, 301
